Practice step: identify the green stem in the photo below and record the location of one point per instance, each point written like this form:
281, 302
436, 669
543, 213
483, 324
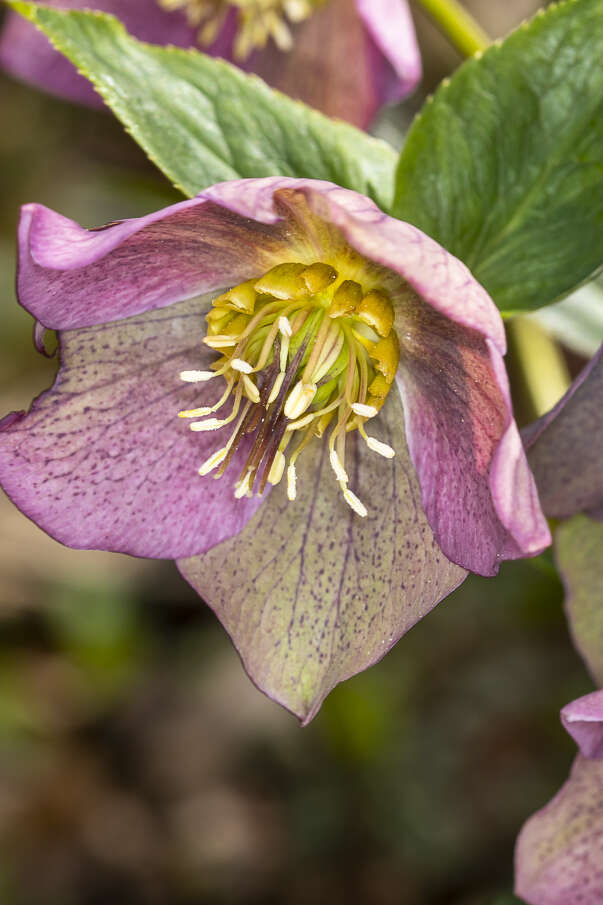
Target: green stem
544, 372
458, 25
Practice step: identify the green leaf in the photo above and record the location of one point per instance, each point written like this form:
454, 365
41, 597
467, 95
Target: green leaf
504, 166
203, 121
578, 546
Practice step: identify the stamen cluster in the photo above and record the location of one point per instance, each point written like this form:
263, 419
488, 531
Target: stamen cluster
258, 20
303, 352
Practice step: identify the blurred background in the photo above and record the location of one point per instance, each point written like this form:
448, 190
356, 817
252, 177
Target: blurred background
139, 766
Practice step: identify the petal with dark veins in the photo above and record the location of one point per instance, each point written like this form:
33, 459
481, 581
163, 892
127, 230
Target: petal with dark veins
102, 460
310, 593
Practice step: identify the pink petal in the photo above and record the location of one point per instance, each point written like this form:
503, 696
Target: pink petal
311, 594
102, 460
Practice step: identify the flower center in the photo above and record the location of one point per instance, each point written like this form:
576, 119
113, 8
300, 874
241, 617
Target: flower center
303, 352
257, 20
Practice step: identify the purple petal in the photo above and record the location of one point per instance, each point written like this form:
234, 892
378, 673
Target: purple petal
310, 593
27, 53
381, 42
391, 26
477, 490
583, 719
564, 448
559, 855
103, 462
578, 546
72, 277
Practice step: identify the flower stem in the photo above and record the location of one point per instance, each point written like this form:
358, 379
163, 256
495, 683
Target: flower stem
454, 20
544, 373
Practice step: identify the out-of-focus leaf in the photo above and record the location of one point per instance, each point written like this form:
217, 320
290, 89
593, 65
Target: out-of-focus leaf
203, 121
579, 548
577, 321
504, 166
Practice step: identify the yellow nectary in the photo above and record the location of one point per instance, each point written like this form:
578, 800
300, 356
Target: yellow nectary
258, 20
302, 350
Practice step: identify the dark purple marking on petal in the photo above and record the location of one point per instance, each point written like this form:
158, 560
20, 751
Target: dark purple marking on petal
564, 447
477, 490
102, 460
10, 419
583, 719
311, 593
578, 548
559, 854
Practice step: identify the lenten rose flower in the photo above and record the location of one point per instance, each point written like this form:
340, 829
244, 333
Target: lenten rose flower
299, 398
559, 855
345, 57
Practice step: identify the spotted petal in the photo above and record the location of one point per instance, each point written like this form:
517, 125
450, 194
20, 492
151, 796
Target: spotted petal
560, 849
477, 491
103, 461
559, 854
311, 594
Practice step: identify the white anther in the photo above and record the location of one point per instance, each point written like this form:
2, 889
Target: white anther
250, 388
211, 424
277, 468
291, 483
365, 411
299, 399
340, 472
284, 326
220, 342
213, 461
242, 487
196, 376
238, 364
284, 353
353, 501
301, 422
382, 448
276, 387
195, 413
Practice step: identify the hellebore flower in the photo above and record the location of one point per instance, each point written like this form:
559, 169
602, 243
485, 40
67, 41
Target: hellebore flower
559, 855
343, 358
345, 57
